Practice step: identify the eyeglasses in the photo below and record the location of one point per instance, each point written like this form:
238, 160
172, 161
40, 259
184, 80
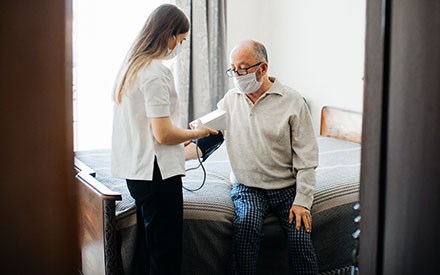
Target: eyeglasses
241, 71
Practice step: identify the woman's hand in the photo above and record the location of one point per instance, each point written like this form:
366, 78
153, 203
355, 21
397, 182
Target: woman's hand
204, 131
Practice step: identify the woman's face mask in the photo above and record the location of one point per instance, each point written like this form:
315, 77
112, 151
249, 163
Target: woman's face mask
174, 52
247, 83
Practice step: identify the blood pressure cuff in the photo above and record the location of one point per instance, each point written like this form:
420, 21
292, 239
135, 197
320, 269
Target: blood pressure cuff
209, 144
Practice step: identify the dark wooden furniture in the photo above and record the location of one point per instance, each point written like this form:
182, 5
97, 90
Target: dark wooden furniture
96, 223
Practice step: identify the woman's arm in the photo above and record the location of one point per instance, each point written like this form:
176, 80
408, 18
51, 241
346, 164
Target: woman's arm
166, 133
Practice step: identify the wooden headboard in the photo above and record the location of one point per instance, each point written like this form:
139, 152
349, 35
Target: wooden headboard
341, 124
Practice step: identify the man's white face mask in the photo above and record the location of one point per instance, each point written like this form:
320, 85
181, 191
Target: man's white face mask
247, 83
174, 52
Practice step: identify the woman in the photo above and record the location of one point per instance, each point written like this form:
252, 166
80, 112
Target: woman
147, 147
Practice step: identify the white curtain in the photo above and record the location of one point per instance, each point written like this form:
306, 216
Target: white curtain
200, 71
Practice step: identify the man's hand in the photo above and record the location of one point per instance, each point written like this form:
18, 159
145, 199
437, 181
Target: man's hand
190, 150
300, 214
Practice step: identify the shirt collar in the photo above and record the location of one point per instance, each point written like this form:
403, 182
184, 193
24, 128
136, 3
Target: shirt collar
276, 88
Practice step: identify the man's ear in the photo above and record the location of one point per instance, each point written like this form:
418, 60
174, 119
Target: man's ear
264, 68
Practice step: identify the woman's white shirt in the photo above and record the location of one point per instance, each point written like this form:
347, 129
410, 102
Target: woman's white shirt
152, 94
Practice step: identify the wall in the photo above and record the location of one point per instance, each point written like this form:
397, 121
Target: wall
315, 46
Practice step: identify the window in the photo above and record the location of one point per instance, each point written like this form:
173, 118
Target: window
103, 31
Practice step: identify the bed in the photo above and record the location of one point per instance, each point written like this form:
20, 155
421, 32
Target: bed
107, 220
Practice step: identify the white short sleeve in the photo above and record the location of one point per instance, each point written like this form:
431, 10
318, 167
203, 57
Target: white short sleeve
157, 97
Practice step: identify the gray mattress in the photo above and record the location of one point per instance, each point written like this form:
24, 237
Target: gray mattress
208, 213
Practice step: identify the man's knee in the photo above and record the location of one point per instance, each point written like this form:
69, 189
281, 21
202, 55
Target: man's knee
298, 237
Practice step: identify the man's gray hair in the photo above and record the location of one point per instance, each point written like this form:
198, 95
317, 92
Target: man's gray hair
260, 52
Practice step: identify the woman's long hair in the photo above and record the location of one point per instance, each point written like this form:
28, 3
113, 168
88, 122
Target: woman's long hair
151, 43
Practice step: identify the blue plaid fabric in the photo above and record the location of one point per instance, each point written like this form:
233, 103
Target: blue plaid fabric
251, 207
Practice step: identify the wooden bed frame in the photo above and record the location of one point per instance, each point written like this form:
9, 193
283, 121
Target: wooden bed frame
96, 224
96, 203
341, 124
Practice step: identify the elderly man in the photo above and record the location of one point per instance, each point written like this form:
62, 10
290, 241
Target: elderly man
273, 152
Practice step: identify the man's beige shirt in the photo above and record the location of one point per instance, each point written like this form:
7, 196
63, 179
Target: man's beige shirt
272, 144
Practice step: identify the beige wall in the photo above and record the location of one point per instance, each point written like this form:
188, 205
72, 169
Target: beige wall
314, 46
